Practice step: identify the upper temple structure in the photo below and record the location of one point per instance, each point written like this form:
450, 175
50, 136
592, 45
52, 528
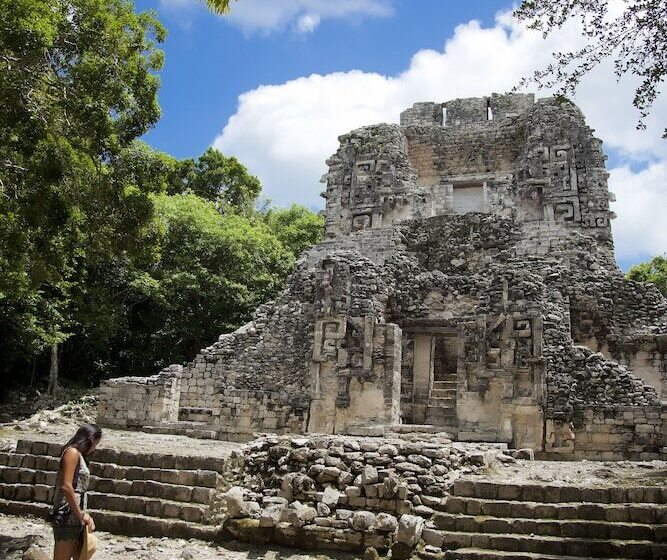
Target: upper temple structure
467, 282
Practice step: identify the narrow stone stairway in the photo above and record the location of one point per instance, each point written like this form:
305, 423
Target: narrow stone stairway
134, 494
441, 410
489, 521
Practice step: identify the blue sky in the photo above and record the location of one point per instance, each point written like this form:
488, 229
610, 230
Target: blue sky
210, 62
277, 81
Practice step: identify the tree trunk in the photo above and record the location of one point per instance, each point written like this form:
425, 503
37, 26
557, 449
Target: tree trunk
53, 372
32, 373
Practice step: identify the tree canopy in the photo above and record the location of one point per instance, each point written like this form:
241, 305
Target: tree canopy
219, 6
635, 38
116, 258
654, 271
77, 83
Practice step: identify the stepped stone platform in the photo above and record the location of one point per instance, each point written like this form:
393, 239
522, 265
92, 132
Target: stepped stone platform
160, 494
489, 520
422, 494
130, 493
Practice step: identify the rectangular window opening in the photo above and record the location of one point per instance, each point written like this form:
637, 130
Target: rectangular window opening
468, 198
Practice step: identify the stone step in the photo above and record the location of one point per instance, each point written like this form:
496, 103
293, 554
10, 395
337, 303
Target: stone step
578, 547
22, 460
120, 457
201, 478
137, 488
557, 494
151, 507
17, 507
580, 528
19, 475
415, 428
442, 402
197, 430
123, 523
446, 385
622, 512
447, 391
484, 554
25, 475
446, 378
152, 489
443, 393
27, 492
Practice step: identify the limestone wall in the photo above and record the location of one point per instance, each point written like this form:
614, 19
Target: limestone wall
620, 432
140, 401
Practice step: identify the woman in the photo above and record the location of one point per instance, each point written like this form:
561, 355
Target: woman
68, 517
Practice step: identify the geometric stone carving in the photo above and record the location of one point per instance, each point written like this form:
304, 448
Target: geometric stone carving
560, 437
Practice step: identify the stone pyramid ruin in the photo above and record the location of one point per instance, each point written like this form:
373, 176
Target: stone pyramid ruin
467, 283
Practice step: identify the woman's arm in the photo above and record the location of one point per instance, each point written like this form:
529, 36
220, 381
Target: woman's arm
68, 465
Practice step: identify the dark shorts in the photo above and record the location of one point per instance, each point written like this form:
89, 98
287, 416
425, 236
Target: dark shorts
68, 532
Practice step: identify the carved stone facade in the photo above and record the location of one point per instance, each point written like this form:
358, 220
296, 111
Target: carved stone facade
467, 281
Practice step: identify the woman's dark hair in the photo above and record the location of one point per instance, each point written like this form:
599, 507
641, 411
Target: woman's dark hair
84, 438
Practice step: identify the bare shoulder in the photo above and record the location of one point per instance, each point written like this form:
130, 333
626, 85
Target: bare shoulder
70, 456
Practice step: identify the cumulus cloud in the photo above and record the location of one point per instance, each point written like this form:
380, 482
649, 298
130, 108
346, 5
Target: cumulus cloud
641, 199
285, 132
307, 23
303, 16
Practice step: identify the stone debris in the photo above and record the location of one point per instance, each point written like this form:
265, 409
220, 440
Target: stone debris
298, 514
410, 529
292, 484
79, 411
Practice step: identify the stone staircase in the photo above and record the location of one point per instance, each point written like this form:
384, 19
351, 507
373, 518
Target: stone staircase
134, 494
189, 428
489, 521
441, 409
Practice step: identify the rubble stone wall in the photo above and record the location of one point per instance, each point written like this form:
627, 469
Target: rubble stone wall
140, 401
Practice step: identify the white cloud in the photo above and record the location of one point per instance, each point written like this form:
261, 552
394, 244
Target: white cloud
307, 23
285, 132
301, 15
641, 200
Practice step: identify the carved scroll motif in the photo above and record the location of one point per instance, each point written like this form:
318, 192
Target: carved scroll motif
594, 219
494, 342
523, 335
361, 221
555, 169
564, 212
329, 333
328, 347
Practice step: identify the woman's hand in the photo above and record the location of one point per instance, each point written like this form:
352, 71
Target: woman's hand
88, 522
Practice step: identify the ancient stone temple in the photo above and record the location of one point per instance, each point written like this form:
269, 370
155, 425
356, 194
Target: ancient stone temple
467, 282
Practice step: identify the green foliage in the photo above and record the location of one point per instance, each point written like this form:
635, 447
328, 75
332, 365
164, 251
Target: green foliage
221, 179
127, 258
203, 274
219, 6
296, 227
654, 271
77, 85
